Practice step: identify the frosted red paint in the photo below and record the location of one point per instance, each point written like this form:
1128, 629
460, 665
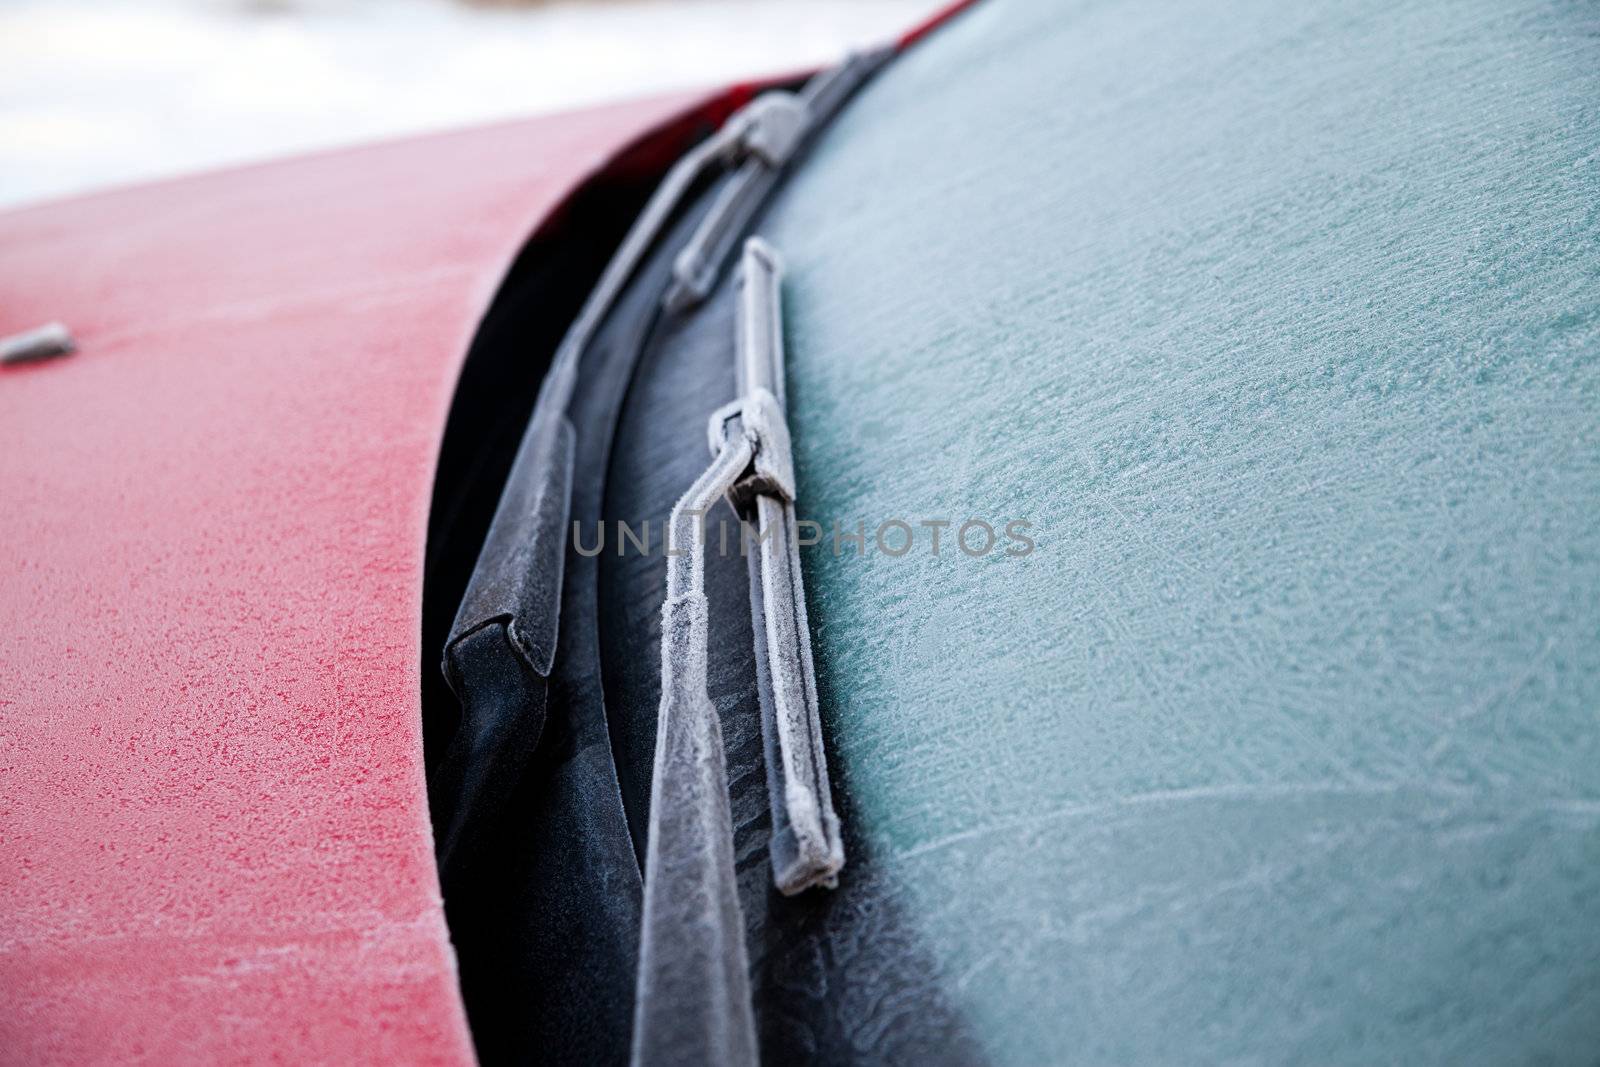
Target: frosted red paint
214, 842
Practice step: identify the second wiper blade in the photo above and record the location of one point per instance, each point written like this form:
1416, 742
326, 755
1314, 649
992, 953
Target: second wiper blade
798, 116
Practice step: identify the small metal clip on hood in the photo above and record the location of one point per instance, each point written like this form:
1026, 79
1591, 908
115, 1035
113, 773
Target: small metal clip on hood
34, 346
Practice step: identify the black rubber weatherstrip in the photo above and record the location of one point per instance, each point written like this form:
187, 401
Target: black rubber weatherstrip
498, 667
547, 936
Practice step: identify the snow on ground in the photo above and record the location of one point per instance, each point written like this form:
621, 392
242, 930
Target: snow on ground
95, 94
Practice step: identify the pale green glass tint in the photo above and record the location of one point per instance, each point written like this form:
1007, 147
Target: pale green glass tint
1281, 322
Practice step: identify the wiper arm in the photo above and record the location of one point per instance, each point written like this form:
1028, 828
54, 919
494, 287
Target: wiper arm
692, 1002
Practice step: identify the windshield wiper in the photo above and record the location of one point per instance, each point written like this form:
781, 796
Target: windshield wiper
699, 264
693, 997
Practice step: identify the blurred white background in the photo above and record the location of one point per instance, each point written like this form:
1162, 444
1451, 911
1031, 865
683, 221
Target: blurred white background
101, 93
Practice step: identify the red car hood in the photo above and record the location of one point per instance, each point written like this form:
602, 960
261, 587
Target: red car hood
215, 833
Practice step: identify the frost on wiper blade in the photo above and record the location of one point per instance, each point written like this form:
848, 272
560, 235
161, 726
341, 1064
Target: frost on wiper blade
806, 849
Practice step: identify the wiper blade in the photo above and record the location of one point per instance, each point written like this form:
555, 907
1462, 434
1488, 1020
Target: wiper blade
700, 263
764, 132
806, 848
